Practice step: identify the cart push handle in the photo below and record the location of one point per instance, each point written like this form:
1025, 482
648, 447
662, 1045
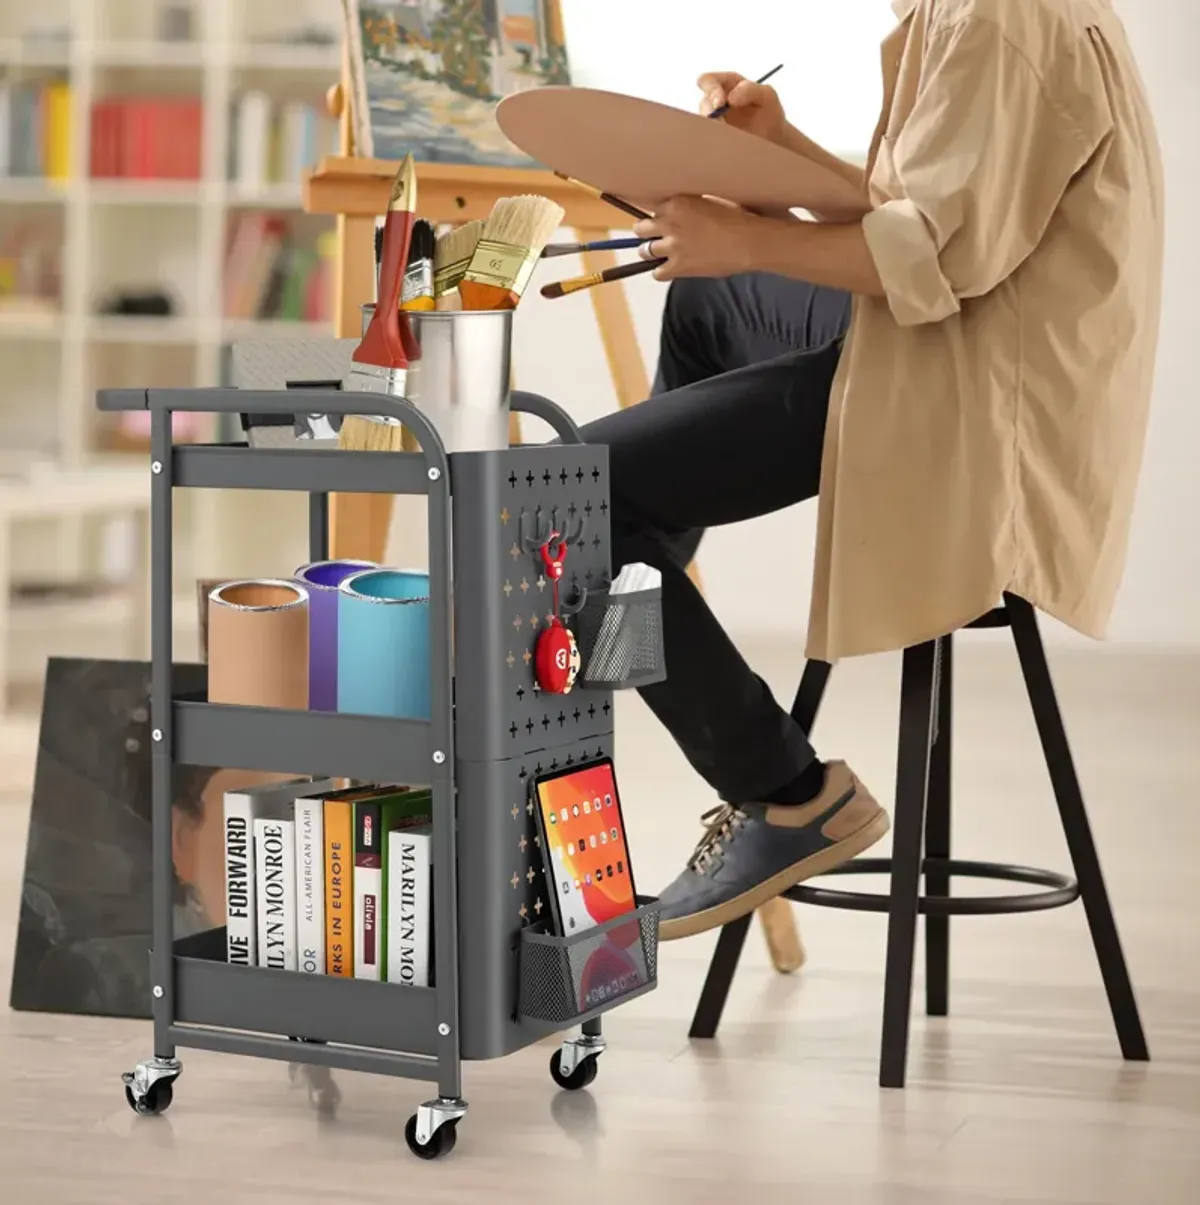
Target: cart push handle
225, 400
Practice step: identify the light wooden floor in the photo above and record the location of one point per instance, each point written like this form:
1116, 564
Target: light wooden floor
1020, 1097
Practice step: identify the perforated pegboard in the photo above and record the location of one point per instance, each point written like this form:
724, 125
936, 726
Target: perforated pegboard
502, 888
505, 503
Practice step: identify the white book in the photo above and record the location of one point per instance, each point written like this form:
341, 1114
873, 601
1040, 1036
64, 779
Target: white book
275, 872
409, 905
242, 808
253, 142
310, 884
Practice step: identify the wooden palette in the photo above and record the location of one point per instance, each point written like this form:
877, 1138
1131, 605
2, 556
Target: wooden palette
647, 152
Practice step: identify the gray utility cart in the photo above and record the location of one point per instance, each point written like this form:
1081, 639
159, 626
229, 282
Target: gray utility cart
502, 980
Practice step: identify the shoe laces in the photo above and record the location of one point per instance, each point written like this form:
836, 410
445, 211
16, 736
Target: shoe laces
720, 825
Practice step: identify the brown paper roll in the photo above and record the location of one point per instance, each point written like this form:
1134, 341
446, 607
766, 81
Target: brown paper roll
258, 644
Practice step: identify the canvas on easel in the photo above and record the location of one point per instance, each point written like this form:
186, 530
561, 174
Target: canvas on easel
428, 74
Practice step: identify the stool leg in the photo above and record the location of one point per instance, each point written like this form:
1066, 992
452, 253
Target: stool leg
719, 979
724, 964
917, 694
1067, 792
937, 840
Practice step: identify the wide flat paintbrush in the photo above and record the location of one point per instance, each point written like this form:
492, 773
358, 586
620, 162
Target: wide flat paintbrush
563, 288
451, 259
512, 242
380, 362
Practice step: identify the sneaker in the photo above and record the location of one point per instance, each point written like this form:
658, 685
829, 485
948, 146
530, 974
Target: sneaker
754, 852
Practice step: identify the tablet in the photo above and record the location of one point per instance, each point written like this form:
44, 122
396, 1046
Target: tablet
584, 850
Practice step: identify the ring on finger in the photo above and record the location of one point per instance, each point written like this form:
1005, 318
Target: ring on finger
646, 250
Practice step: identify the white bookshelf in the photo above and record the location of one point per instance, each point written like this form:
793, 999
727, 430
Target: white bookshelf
133, 234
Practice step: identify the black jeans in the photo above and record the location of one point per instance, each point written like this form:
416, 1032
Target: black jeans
734, 430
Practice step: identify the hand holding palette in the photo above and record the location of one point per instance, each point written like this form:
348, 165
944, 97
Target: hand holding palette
647, 153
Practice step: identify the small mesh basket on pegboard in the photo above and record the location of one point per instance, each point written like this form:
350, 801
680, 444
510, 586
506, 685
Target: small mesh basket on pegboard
620, 639
565, 978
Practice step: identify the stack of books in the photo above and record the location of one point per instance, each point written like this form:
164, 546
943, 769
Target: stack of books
270, 276
35, 130
276, 144
147, 138
330, 882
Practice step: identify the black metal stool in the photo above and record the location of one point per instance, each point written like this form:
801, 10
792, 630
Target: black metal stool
921, 846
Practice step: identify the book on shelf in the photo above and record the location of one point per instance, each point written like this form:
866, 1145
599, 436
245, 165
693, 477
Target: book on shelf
374, 818
275, 877
242, 809
276, 144
271, 277
408, 920
339, 875
147, 138
310, 884
35, 129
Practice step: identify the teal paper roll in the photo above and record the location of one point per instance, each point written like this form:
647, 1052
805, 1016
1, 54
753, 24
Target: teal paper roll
383, 644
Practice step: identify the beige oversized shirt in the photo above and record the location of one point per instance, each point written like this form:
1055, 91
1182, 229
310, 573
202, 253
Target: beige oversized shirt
987, 422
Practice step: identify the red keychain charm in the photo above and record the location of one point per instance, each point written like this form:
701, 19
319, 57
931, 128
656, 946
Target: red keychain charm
556, 657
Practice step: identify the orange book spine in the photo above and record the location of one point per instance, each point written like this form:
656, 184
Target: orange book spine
339, 888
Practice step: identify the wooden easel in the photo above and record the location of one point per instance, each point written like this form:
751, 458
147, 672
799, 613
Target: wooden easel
356, 191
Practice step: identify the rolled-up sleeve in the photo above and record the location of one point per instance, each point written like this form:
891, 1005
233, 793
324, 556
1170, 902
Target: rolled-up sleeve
966, 189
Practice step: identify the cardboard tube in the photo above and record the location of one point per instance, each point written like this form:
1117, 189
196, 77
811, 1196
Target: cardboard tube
322, 580
258, 644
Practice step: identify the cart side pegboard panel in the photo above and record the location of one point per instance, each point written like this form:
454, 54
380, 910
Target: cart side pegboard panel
505, 503
501, 889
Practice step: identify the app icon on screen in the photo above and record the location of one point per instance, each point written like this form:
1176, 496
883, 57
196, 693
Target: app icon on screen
570, 848
587, 807
575, 810
592, 840
608, 871
553, 818
565, 813
612, 832
608, 801
596, 803
599, 874
566, 888
603, 838
587, 878
620, 867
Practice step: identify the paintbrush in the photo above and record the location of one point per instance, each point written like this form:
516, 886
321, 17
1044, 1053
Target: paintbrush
605, 244
762, 79
451, 259
380, 362
416, 295
561, 288
624, 206
512, 242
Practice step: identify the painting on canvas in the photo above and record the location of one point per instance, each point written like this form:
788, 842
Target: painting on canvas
434, 71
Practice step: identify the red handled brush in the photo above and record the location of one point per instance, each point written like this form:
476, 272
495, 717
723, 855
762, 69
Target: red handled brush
381, 360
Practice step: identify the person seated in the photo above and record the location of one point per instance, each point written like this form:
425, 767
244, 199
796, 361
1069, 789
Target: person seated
962, 377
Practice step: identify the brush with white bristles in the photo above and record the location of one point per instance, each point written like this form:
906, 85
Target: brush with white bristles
513, 238
451, 259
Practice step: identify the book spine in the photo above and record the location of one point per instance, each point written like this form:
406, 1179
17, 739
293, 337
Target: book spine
240, 898
253, 141
368, 890
310, 886
339, 903
410, 912
275, 857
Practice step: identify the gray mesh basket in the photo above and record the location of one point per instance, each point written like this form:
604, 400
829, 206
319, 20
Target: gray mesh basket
566, 978
620, 639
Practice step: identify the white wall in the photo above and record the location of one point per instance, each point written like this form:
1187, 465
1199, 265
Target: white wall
831, 86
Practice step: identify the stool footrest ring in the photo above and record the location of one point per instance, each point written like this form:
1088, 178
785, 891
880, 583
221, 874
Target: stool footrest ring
1060, 889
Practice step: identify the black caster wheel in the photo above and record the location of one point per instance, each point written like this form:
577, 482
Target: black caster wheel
584, 1074
439, 1145
157, 1099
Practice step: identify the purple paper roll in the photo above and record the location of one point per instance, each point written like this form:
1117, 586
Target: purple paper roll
322, 580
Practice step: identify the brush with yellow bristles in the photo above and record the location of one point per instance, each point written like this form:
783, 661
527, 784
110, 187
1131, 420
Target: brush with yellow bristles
512, 242
451, 259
